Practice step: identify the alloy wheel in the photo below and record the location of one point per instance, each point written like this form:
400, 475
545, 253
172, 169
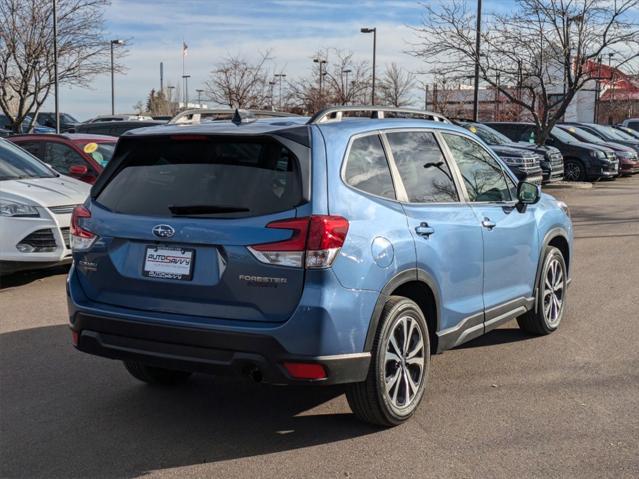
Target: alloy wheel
572, 171
404, 362
553, 294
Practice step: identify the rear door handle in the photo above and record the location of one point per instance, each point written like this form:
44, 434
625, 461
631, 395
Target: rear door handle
424, 230
488, 224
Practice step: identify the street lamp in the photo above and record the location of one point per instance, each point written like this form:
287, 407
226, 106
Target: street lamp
346, 72
321, 74
113, 43
186, 90
199, 97
280, 76
374, 32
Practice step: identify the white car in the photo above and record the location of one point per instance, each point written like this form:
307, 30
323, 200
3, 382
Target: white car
35, 211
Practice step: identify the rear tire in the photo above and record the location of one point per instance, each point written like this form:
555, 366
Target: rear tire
156, 376
551, 296
399, 366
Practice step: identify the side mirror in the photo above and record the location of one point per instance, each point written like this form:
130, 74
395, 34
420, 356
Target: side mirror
78, 170
527, 194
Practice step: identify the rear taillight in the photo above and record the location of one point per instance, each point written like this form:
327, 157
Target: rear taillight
81, 238
315, 242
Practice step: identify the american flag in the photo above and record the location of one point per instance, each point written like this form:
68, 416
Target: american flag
185, 49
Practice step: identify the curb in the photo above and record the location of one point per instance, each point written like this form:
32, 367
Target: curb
575, 185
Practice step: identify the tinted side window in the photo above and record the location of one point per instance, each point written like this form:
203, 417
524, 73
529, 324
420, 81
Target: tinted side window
483, 176
62, 157
367, 168
421, 165
32, 147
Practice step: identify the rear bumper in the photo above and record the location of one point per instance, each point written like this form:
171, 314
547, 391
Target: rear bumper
322, 330
211, 352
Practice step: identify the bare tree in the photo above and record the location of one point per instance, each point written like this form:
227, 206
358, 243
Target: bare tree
344, 81
26, 51
240, 83
396, 85
539, 49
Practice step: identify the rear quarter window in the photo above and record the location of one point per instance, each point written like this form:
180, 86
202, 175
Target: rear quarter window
204, 177
367, 168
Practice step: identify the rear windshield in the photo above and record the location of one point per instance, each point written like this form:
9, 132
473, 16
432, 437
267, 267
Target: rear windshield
203, 177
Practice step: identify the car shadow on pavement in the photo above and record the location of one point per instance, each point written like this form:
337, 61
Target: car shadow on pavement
25, 277
67, 414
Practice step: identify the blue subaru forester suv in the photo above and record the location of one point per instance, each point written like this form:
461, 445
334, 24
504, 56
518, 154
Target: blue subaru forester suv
344, 248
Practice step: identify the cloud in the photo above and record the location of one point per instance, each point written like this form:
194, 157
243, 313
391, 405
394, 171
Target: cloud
292, 31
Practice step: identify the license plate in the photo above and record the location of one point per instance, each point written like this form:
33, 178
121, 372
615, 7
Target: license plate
168, 263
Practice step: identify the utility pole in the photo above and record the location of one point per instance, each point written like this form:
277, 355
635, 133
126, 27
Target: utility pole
611, 109
55, 67
477, 49
374, 32
280, 76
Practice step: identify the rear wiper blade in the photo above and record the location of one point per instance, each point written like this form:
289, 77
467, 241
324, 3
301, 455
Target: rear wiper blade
187, 210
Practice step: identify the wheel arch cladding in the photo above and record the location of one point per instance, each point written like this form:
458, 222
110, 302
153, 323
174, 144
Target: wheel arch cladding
417, 286
561, 243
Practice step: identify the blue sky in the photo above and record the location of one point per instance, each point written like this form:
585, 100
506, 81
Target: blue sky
291, 29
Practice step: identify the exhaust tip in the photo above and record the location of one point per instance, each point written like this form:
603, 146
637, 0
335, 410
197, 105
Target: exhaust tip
253, 372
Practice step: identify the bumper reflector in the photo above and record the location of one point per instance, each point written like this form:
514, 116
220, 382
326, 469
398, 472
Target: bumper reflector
305, 370
74, 337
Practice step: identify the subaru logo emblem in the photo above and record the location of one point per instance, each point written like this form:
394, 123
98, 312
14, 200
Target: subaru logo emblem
163, 231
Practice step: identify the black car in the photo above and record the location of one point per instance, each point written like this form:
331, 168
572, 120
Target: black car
551, 161
115, 128
628, 161
582, 161
608, 133
523, 162
47, 118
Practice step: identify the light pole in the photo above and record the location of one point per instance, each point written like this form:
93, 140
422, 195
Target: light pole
170, 89
199, 97
113, 42
477, 48
280, 76
186, 90
55, 67
345, 84
321, 74
272, 85
374, 32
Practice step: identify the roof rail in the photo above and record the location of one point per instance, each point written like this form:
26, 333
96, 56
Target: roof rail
196, 115
336, 113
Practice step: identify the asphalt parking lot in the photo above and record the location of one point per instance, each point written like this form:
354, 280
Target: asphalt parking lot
505, 405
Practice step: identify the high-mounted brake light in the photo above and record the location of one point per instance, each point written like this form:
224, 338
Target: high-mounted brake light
315, 242
81, 238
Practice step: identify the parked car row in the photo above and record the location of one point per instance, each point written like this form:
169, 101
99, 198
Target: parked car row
574, 151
